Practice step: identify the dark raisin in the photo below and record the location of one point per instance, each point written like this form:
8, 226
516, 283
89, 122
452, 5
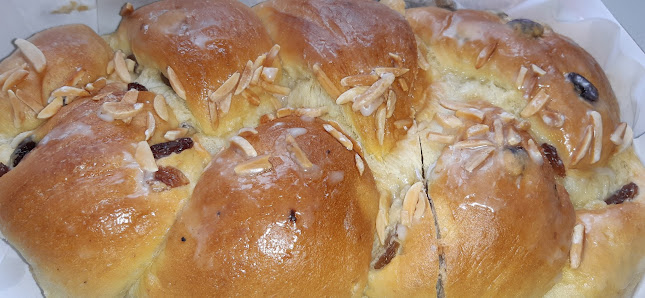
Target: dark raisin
183, 239
551, 154
164, 79
21, 151
3, 169
583, 87
133, 58
137, 86
171, 176
527, 27
388, 255
627, 192
164, 149
292, 216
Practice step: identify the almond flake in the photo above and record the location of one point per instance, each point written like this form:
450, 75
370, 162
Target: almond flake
96, 85
259, 61
597, 136
538, 70
478, 158
499, 131
390, 103
310, 112
519, 81
131, 96
150, 130
534, 152
284, 112
628, 138
380, 125
396, 71
244, 145
325, 82
448, 121
255, 78
381, 224
33, 54
266, 118
245, 78
536, 104
583, 147
14, 79
412, 197
351, 94
18, 109
145, 159
301, 156
617, 136
471, 114
212, 114
577, 242
477, 129
485, 54
403, 124
359, 80
68, 91
253, 98
403, 83
254, 166
160, 107
175, 134
51, 109
5, 75
110, 67
339, 136
512, 137
121, 110
121, 67
175, 83
247, 132
225, 104
476, 143
396, 58
454, 105
275, 89
273, 53
373, 92
269, 74
420, 208
226, 88
130, 64
359, 164
440, 138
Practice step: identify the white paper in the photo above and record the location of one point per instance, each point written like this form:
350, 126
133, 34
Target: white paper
588, 22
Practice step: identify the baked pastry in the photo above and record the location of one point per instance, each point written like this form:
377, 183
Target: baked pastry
317, 148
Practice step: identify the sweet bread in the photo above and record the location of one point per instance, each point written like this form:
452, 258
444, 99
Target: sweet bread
317, 148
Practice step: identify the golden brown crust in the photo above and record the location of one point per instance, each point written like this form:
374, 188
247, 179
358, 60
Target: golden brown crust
293, 231
458, 39
204, 43
344, 38
79, 206
75, 56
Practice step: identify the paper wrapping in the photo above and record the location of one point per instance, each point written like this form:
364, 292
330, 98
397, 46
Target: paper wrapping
587, 22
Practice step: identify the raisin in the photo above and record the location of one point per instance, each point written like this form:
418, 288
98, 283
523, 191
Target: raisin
137, 86
292, 216
551, 154
164, 149
3, 169
527, 27
183, 239
164, 79
21, 151
627, 192
389, 254
583, 87
172, 177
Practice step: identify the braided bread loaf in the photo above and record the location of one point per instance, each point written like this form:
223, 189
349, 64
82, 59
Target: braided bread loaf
317, 148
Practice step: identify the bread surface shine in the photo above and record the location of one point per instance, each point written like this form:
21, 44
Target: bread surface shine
317, 148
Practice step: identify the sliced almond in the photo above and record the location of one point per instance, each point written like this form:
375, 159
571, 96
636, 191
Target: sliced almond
244, 145
145, 158
412, 197
259, 61
476, 143
255, 78
273, 53
253, 98
485, 54
150, 129
96, 85
381, 225
226, 88
454, 105
310, 112
51, 109
390, 103
175, 83
359, 164
617, 136
325, 82
397, 59
403, 84
247, 132
121, 110
339, 136
121, 67
110, 67
284, 112
536, 104
476, 130
448, 121
14, 79
130, 97
68, 91
478, 158
18, 109
351, 94
471, 114
33, 54
597, 136
380, 124
245, 78
534, 152
160, 107
420, 208
440, 138
301, 156
130, 64
373, 92
5, 75
275, 89
175, 134
225, 104
583, 148
359, 80
403, 124
577, 242
269, 74
628, 138
538, 70
254, 166
212, 114
512, 137
521, 76
499, 131
396, 71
